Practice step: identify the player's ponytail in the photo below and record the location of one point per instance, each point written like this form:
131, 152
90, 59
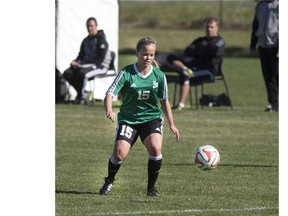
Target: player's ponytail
156, 64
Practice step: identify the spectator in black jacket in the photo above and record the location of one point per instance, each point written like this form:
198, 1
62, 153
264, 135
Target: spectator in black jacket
201, 59
93, 59
265, 33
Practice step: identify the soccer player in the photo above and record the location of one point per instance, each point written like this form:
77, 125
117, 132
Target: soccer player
141, 85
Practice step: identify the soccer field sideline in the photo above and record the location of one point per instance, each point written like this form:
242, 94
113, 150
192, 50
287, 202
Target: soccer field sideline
185, 211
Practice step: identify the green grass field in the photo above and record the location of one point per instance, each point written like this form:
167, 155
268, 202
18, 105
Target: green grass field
185, 14
245, 183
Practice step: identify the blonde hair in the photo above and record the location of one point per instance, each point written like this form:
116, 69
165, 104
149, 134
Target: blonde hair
147, 41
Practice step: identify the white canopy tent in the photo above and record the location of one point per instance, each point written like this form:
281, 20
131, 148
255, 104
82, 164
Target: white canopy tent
71, 16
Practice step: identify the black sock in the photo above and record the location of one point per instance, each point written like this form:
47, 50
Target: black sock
112, 170
154, 167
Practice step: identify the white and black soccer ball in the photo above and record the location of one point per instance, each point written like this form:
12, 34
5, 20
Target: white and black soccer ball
207, 157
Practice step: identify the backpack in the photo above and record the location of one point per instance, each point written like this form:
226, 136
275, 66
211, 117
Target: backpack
215, 100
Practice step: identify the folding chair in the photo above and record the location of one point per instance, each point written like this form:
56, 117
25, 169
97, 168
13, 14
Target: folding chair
219, 77
110, 73
90, 86
172, 76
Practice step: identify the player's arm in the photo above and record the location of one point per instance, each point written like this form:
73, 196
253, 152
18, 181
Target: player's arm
108, 107
112, 91
168, 114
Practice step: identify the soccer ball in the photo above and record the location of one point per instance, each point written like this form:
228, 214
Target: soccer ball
207, 157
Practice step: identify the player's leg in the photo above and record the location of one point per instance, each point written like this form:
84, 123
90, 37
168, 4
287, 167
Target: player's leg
152, 140
126, 136
153, 144
120, 152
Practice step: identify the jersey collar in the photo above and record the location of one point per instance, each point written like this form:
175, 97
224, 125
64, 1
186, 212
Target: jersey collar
140, 74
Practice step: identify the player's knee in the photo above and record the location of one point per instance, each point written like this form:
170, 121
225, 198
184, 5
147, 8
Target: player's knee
120, 155
116, 160
156, 158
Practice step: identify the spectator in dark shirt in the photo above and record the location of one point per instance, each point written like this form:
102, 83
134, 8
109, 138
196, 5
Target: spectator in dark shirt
93, 59
201, 58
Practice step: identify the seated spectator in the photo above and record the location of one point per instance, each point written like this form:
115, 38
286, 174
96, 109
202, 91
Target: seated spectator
93, 59
201, 59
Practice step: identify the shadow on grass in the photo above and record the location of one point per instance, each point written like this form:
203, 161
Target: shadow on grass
228, 165
248, 165
75, 192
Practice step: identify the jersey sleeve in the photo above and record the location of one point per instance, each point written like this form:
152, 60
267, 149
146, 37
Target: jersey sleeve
117, 84
163, 89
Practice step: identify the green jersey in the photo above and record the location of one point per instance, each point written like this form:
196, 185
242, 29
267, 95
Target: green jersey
140, 94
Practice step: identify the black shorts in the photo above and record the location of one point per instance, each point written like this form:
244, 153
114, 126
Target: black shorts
130, 132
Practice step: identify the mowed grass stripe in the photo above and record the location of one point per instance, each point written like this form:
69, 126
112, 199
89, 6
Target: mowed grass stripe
185, 211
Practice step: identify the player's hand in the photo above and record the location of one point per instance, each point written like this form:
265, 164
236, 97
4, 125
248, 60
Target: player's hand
111, 115
175, 131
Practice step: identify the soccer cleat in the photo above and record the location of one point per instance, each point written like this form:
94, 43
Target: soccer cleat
152, 192
188, 72
106, 187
